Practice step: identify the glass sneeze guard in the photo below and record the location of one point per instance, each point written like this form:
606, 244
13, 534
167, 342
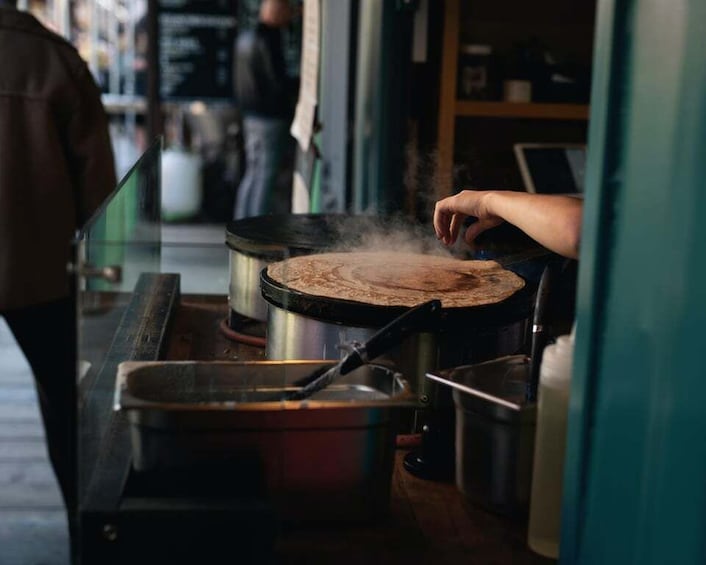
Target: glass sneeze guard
118, 243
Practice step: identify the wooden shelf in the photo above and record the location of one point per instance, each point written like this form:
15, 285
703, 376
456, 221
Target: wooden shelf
529, 110
452, 110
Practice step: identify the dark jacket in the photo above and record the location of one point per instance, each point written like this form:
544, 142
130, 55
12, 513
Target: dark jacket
56, 160
262, 86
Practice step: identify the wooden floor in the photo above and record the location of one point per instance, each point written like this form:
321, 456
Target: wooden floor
33, 528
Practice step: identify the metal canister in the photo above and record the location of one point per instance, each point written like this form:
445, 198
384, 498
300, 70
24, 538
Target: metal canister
495, 428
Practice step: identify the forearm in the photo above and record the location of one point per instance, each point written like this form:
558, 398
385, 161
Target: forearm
554, 221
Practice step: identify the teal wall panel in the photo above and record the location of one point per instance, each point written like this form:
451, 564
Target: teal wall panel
635, 485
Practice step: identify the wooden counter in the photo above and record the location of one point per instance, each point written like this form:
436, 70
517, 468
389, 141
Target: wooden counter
196, 335
429, 522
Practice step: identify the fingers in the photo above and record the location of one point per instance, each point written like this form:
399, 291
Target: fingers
456, 223
477, 228
441, 221
450, 214
447, 222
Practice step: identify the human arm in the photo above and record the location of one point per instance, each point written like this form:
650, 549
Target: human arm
554, 221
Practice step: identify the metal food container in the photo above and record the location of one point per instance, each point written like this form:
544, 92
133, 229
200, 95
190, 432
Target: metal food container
495, 428
327, 457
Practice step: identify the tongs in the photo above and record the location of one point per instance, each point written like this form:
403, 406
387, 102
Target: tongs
415, 319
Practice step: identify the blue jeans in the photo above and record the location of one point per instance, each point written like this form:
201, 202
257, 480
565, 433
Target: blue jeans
265, 143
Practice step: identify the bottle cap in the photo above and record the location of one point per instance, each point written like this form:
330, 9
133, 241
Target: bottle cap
557, 361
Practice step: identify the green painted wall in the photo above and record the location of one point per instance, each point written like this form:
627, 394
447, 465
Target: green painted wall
635, 483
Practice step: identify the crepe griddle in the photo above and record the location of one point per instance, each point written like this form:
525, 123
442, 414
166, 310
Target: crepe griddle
338, 310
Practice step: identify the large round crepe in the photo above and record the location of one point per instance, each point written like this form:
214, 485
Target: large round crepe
397, 279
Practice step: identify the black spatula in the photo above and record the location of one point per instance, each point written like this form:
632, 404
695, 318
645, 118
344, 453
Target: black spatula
423, 316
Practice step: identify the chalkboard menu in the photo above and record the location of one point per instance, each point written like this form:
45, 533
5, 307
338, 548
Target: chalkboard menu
195, 49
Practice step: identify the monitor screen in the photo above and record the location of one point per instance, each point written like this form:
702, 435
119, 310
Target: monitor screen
552, 168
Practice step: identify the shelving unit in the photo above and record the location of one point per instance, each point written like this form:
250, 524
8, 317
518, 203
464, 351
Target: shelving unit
451, 108
527, 110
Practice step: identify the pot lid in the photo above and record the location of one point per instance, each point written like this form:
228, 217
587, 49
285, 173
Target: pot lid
277, 235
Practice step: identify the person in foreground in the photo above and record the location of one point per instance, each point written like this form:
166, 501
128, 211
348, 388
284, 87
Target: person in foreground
553, 221
56, 169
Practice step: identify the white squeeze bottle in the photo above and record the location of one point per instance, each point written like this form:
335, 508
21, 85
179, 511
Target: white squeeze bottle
549, 447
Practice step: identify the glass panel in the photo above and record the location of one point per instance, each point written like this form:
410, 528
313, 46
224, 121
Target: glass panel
157, 292
199, 255
120, 241
125, 232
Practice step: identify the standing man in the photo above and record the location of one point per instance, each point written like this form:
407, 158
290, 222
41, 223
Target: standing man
265, 95
56, 168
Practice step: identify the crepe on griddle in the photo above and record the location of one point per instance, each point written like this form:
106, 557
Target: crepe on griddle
397, 279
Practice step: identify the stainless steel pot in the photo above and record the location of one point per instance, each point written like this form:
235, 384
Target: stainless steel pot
495, 427
244, 286
301, 326
291, 335
256, 242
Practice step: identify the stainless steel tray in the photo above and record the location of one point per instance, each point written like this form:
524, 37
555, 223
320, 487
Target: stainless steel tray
329, 456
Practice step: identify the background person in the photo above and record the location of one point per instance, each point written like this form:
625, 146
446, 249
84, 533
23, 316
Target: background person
553, 221
265, 96
56, 168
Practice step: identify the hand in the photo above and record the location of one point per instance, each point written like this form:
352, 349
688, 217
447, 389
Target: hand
451, 212
552, 220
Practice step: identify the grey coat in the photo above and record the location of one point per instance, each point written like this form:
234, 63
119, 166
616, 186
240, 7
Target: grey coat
56, 160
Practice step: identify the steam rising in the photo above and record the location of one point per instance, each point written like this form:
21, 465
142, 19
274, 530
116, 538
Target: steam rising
389, 233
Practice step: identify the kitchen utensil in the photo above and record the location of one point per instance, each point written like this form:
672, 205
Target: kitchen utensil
379, 343
540, 331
